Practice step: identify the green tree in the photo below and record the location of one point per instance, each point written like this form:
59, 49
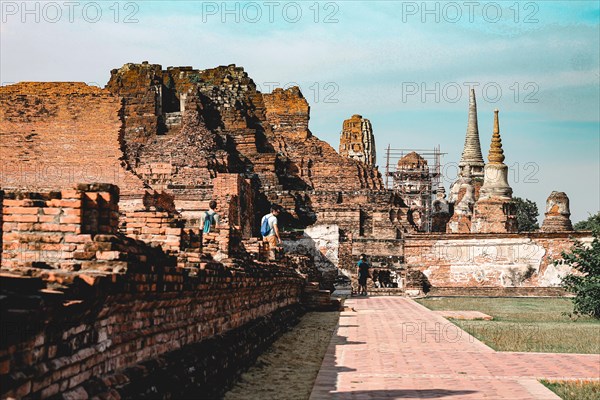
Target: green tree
585, 284
527, 213
590, 224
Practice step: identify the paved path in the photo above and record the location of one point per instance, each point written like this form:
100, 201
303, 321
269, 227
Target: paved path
392, 347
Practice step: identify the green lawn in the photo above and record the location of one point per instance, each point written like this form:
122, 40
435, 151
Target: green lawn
575, 390
525, 324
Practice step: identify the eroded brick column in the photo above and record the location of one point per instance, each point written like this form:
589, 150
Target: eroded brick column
235, 203
49, 230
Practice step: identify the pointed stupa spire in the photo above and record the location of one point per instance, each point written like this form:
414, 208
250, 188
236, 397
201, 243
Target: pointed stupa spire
496, 155
471, 154
495, 181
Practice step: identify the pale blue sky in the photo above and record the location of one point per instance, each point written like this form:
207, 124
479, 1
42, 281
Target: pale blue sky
371, 54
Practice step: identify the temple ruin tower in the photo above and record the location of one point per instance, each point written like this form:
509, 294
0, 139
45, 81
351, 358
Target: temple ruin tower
357, 140
471, 155
494, 211
557, 213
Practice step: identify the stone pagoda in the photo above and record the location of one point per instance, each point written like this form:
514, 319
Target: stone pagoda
495, 182
471, 155
494, 211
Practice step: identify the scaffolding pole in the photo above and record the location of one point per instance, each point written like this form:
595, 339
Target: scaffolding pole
387, 165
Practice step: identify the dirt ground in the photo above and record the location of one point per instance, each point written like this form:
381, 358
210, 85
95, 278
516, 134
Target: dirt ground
289, 368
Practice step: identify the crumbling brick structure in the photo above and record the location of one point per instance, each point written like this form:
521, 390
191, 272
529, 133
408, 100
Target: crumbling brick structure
53, 230
558, 212
412, 180
56, 135
167, 136
83, 303
357, 140
238, 128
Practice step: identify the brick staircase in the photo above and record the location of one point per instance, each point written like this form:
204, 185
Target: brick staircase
319, 300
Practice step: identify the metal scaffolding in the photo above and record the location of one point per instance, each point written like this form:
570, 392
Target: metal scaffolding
418, 185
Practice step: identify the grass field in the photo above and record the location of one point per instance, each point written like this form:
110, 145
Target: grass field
525, 324
575, 390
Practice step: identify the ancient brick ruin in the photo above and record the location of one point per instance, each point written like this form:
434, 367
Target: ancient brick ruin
357, 140
107, 281
412, 181
558, 212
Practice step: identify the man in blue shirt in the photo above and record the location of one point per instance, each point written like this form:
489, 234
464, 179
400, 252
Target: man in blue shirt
362, 270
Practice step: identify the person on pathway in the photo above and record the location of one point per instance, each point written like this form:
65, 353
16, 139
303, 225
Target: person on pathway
210, 218
362, 270
269, 229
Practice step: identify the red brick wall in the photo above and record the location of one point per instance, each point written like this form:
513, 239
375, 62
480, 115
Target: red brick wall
235, 202
55, 135
494, 216
50, 230
82, 301
124, 320
137, 84
287, 111
498, 291
159, 227
372, 213
382, 248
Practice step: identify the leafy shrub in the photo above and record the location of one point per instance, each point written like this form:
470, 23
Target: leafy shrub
527, 213
590, 224
586, 283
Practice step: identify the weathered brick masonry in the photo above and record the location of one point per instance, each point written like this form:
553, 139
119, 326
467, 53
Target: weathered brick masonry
55, 229
56, 340
77, 314
56, 135
179, 132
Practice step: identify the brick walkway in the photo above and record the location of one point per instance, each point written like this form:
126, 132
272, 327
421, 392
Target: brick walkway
392, 347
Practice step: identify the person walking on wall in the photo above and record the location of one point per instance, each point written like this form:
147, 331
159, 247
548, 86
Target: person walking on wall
269, 228
210, 219
362, 270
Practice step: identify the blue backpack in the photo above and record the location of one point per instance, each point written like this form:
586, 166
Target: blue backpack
265, 228
209, 220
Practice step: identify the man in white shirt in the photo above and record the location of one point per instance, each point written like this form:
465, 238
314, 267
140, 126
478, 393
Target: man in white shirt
269, 228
